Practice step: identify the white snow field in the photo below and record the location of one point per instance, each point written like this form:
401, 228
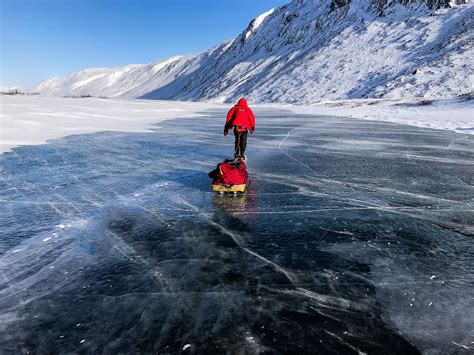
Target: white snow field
306, 51
29, 120
450, 114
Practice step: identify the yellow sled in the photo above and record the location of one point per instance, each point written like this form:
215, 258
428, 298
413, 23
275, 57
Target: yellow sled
229, 188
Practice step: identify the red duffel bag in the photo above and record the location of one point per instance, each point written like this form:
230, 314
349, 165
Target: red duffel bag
229, 174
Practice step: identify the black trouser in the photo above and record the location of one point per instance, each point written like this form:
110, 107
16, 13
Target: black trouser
240, 141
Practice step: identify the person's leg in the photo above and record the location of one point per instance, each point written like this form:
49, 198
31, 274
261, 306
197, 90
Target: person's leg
243, 142
237, 142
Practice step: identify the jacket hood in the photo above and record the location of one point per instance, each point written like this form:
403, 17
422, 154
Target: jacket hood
242, 102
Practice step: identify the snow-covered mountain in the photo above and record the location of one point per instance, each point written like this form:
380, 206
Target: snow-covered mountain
310, 50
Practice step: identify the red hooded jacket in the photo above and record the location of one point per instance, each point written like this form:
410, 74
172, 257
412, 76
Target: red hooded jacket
240, 115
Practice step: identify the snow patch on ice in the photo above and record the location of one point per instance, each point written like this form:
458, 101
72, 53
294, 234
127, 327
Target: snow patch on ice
449, 114
30, 120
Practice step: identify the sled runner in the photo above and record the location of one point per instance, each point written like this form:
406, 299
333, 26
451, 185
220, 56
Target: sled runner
229, 188
230, 176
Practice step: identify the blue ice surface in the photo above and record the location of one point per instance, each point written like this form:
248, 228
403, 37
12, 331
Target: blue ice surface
353, 236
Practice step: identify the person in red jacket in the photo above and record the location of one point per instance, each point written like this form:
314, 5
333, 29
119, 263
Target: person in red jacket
241, 118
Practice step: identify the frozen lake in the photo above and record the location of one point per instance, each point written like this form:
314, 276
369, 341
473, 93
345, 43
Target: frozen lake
354, 236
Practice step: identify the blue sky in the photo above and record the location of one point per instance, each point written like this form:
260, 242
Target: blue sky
45, 38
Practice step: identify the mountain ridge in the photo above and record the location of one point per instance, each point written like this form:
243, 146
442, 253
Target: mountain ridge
306, 51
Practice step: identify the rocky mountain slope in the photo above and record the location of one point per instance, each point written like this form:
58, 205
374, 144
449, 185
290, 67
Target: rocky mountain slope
306, 51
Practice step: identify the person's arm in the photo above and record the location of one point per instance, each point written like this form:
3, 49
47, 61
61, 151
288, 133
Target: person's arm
251, 118
227, 121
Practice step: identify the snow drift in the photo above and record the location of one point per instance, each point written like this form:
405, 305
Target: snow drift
308, 50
